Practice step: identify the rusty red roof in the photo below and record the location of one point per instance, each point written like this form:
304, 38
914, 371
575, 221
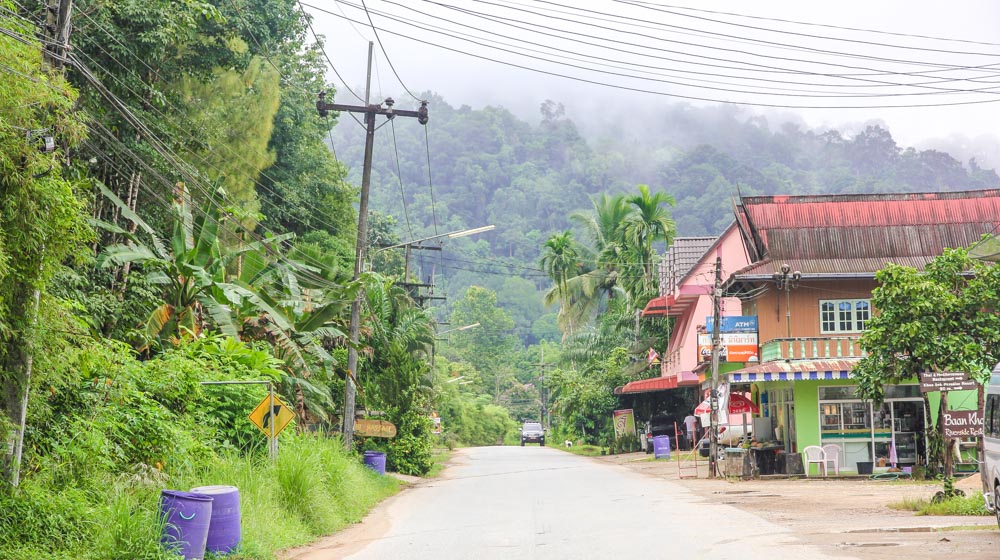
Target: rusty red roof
845, 234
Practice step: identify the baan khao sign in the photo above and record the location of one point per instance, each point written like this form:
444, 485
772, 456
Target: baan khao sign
738, 336
963, 424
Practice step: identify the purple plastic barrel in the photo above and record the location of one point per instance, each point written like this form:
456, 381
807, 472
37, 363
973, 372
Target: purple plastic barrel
661, 447
375, 460
224, 533
186, 518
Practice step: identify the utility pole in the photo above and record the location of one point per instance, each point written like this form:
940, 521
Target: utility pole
542, 393
15, 394
713, 397
58, 15
370, 111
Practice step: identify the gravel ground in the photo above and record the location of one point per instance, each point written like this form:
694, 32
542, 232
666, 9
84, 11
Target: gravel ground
844, 516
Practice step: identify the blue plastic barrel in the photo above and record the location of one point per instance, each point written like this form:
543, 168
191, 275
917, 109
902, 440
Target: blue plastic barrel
224, 530
186, 518
375, 460
661, 447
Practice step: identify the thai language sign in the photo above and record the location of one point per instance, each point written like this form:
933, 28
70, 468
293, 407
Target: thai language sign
738, 335
624, 421
945, 381
963, 424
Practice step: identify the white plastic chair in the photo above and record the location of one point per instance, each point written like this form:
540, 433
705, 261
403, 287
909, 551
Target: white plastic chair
814, 454
832, 452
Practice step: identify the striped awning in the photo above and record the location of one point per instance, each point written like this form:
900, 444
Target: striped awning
794, 370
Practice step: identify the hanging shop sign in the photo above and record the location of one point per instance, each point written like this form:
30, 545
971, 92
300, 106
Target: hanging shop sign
946, 381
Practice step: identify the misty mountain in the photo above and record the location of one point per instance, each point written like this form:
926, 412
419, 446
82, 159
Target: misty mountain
489, 166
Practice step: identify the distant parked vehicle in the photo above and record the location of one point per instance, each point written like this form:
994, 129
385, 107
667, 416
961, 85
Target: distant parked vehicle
532, 432
991, 444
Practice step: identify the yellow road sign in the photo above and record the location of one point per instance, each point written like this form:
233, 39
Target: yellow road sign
264, 415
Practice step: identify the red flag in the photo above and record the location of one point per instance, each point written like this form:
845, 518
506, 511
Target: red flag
652, 357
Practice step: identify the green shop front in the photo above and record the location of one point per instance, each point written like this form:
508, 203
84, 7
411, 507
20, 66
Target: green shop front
814, 402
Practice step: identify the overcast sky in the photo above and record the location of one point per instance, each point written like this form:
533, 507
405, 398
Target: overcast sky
673, 53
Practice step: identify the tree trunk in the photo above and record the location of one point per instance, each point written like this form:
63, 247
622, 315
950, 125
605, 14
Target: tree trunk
980, 406
949, 443
15, 368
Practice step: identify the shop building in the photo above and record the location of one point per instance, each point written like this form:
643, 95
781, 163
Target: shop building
809, 281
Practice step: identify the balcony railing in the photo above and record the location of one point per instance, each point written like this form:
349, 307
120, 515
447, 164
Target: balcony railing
811, 348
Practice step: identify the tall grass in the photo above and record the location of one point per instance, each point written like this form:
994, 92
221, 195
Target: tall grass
313, 489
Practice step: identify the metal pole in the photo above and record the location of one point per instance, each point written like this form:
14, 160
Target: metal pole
272, 440
788, 308
714, 395
359, 259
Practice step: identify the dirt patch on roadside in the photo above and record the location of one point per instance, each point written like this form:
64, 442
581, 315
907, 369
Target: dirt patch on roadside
843, 516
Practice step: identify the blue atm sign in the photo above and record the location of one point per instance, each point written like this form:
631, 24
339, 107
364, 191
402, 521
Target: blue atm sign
733, 324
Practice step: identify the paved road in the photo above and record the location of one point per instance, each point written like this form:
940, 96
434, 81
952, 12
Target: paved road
541, 503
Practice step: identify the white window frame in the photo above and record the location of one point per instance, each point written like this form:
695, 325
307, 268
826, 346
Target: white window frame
852, 319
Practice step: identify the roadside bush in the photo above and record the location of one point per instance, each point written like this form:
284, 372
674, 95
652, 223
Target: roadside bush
410, 450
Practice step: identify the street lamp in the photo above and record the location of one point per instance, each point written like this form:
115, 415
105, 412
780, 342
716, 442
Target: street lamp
466, 327
785, 281
449, 235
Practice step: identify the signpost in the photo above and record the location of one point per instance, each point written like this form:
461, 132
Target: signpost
271, 415
963, 424
946, 381
375, 428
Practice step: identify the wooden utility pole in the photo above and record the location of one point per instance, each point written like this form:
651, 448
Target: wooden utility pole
370, 111
713, 397
58, 15
15, 394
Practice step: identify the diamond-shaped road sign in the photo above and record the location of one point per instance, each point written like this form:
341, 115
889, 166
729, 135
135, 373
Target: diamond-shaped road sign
265, 414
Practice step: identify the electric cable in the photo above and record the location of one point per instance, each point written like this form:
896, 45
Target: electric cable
667, 94
387, 59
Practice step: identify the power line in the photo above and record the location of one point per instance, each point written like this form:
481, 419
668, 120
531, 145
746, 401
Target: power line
813, 24
399, 176
387, 59
322, 49
662, 93
737, 51
187, 131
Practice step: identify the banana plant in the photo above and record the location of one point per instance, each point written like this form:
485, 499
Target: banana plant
191, 271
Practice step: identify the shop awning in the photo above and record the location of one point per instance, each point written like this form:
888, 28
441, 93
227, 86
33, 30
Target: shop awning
656, 306
684, 379
648, 385
794, 370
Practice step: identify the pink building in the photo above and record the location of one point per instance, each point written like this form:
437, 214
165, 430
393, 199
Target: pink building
687, 275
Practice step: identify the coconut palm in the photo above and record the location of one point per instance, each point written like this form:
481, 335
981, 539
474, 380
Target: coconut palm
648, 223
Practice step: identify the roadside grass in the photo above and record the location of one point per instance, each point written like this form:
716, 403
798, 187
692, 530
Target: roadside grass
313, 489
958, 505
585, 450
439, 456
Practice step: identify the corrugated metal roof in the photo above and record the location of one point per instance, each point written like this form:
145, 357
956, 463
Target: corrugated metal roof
681, 256
844, 234
884, 209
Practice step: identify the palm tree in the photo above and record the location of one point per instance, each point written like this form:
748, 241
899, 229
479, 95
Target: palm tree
649, 222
